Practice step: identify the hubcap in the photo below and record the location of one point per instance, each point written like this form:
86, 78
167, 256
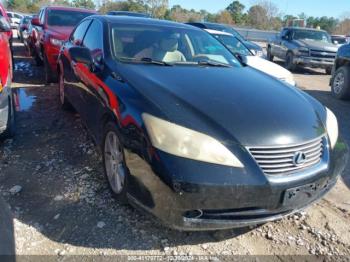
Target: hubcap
114, 162
339, 81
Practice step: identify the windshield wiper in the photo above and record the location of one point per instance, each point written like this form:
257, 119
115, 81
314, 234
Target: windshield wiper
155, 62
212, 63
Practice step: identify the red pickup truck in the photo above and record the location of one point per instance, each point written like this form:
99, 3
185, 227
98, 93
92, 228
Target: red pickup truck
7, 112
53, 26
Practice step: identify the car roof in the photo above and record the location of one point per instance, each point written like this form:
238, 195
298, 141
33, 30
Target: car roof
141, 20
70, 9
216, 32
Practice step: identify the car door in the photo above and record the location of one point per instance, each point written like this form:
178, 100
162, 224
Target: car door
285, 44
93, 90
276, 47
72, 80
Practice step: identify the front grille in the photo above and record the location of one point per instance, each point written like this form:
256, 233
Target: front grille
322, 54
281, 160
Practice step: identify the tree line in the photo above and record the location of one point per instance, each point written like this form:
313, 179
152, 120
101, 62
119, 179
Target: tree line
262, 15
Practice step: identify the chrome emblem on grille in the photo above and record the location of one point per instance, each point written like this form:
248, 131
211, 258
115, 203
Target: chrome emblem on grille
299, 158
324, 53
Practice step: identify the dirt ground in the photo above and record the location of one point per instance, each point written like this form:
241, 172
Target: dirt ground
51, 176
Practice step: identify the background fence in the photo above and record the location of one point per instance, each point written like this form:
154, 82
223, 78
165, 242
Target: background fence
257, 35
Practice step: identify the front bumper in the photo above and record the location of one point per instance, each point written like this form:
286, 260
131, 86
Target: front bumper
190, 195
314, 62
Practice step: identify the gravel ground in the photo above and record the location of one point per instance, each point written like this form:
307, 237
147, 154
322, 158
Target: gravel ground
51, 176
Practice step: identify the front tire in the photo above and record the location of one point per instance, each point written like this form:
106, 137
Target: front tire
65, 104
328, 70
341, 83
11, 121
269, 55
114, 162
49, 77
289, 62
37, 58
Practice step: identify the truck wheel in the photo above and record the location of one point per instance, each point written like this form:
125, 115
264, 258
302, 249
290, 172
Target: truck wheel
269, 54
328, 70
289, 62
341, 83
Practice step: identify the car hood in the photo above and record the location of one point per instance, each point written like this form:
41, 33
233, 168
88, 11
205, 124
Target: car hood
242, 105
60, 32
319, 45
269, 68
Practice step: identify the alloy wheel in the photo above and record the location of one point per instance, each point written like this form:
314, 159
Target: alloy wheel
114, 162
339, 81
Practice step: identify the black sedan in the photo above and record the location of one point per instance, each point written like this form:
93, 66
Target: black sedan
190, 134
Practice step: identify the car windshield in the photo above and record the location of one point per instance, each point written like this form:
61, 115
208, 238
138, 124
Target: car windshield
65, 17
171, 45
233, 44
311, 35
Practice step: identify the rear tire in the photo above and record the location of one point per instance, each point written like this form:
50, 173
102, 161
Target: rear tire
289, 62
341, 83
269, 55
114, 163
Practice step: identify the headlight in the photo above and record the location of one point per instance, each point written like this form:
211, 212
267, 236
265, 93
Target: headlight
56, 42
332, 127
183, 142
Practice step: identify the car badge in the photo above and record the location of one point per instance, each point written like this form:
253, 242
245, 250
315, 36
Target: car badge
299, 158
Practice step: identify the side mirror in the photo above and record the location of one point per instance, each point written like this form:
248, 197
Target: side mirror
4, 25
81, 55
35, 21
242, 58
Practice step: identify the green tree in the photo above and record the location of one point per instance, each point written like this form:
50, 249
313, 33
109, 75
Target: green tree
236, 11
224, 17
157, 8
84, 3
258, 17
129, 5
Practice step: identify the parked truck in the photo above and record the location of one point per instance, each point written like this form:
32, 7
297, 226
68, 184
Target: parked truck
303, 47
340, 80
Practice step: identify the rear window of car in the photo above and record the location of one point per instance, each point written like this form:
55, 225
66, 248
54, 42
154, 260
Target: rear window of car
65, 17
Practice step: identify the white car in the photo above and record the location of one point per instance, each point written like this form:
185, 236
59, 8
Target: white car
238, 47
15, 18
